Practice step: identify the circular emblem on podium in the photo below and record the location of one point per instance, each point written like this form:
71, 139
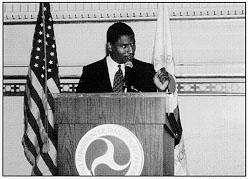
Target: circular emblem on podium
109, 150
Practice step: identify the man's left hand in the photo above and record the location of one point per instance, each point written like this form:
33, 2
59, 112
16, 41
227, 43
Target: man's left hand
161, 79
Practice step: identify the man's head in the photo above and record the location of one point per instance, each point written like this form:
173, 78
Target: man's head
121, 42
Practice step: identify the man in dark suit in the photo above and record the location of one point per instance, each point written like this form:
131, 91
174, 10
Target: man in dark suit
136, 76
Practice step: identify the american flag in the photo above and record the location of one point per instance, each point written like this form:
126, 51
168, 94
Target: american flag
163, 58
40, 140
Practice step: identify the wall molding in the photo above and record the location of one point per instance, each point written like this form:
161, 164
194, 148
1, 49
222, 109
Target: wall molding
21, 13
191, 85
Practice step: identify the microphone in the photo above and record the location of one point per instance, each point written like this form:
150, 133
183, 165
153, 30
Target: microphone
127, 85
126, 81
128, 67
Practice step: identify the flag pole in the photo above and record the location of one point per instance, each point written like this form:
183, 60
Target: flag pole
45, 147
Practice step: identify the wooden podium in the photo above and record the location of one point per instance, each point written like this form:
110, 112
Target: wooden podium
141, 113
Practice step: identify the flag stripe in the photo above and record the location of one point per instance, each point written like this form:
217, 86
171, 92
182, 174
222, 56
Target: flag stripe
34, 125
51, 132
43, 167
50, 101
36, 171
49, 162
52, 136
35, 96
34, 110
53, 153
52, 85
31, 148
31, 135
40, 91
36, 106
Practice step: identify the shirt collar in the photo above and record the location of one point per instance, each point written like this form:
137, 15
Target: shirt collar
113, 65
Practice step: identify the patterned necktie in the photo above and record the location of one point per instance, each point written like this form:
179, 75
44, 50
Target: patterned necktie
118, 81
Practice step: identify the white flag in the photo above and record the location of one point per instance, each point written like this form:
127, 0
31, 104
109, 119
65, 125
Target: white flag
163, 57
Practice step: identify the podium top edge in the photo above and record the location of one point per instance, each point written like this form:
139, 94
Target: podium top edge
112, 95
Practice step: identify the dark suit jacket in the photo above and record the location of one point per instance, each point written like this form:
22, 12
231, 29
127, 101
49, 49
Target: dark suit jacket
95, 78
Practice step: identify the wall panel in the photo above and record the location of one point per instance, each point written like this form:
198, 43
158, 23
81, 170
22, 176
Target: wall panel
195, 44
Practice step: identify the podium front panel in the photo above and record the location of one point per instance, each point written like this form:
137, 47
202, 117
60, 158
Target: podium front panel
142, 114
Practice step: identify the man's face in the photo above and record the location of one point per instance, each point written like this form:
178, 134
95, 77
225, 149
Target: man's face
123, 50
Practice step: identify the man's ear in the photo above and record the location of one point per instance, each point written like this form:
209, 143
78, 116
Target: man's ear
109, 46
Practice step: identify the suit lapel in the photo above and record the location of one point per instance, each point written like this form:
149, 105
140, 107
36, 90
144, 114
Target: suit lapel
105, 81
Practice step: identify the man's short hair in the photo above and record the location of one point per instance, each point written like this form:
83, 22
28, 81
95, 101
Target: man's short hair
118, 29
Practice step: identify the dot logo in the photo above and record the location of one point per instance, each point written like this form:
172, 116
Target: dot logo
109, 150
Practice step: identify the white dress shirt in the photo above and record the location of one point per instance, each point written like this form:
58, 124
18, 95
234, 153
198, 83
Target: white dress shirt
113, 68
